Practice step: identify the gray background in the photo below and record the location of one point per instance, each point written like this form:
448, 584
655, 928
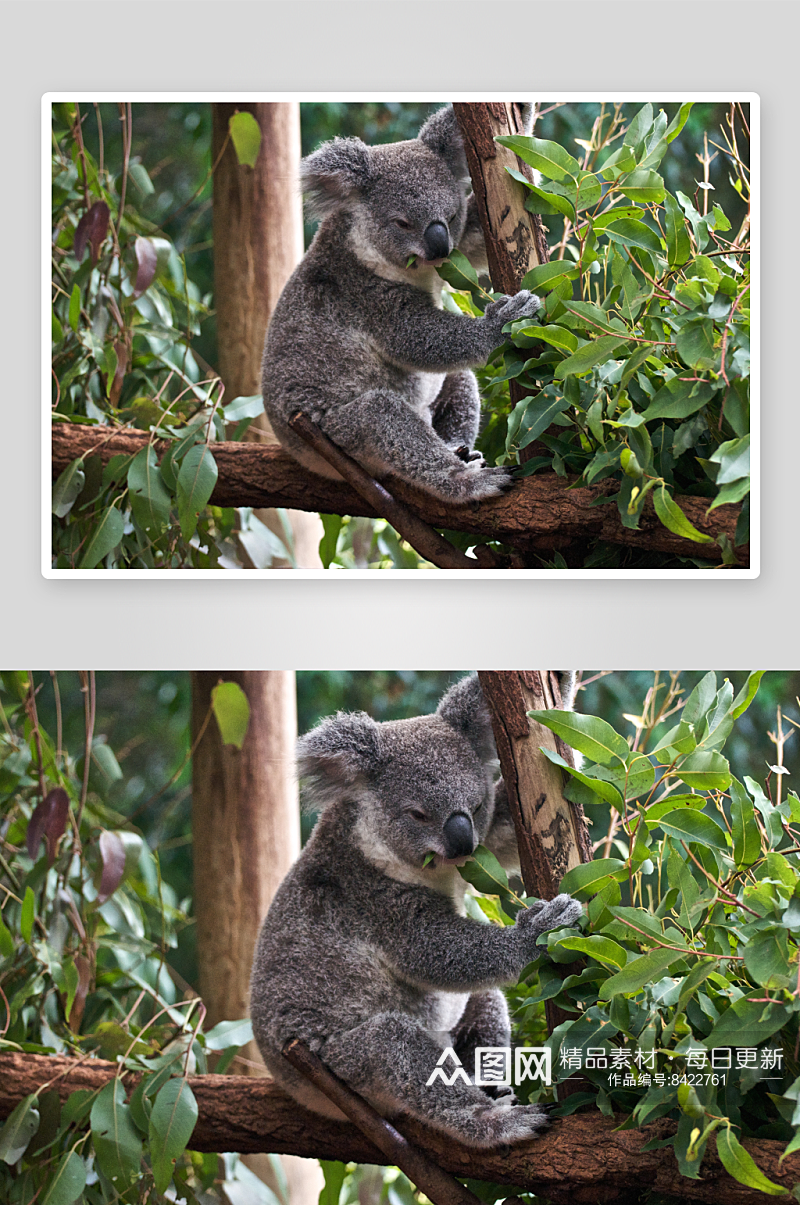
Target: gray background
373, 47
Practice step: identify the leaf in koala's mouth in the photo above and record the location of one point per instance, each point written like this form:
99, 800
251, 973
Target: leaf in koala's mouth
411, 262
429, 857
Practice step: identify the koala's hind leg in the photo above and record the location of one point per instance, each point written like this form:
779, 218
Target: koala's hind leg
385, 435
389, 1060
456, 413
485, 1022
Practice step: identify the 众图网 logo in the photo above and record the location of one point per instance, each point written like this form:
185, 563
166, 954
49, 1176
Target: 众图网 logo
493, 1065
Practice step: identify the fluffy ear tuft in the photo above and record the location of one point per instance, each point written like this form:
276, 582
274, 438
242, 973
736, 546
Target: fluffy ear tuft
333, 756
464, 708
567, 682
441, 135
334, 175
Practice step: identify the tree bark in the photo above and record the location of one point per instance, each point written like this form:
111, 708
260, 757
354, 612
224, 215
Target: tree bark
258, 242
579, 1160
245, 832
245, 836
538, 514
515, 239
552, 834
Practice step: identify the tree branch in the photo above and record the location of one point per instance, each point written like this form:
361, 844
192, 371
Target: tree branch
580, 1159
539, 513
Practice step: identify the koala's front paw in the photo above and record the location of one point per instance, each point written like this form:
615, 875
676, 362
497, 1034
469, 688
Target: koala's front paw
558, 913
510, 309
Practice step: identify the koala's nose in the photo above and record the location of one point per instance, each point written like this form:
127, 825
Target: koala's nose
458, 838
437, 241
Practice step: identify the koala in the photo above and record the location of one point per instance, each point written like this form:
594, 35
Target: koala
359, 340
367, 954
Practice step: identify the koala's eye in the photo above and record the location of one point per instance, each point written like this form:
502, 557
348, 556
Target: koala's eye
477, 809
418, 815
452, 219
403, 225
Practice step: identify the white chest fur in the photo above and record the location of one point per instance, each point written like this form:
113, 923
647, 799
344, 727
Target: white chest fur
425, 387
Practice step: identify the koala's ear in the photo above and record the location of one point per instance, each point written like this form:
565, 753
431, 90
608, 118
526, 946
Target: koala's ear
567, 683
335, 175
464, 708
441, 135
335, 754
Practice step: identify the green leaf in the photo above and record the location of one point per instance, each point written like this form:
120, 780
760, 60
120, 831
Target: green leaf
67, 487
687, 825
674, 519
536, 415
66, 1181
747, 693
150, 500
19, 1128
633, 977
232, 712
587, 733
643, 186
105, 535
747, 1023
602, 949
332, 525
75, 307
246, 137
733, 458
588, 877
678, 399
544, 200
117, 1145
172, 1121
334, 1173
243, 407
705, 770
731, 493
739, 1164
595, 319
6, 941
746, 835
596, 352
679, 121
229, 1033
546, 276
679, 247
196, 480
639, 126
557, 336
26, 917
604, 791
630, 232
547, 157
766, 957
695, 343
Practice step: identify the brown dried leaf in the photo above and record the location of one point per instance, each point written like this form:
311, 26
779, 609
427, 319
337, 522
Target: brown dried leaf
112, 852
92, 229
84, 980
48, 820
146, 265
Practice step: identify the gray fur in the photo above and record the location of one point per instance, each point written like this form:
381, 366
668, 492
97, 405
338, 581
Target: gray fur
358, 340
366, 955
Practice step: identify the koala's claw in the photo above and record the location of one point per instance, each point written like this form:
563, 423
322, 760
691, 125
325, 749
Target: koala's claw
474, 481
513, 1125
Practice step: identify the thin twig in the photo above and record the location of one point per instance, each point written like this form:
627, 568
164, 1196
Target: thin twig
88, 688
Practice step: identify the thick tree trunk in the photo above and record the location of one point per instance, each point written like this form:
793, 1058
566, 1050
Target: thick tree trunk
539, 513
552, 834
245, 831
246, 834
258, 242
579, 1160
515, 239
